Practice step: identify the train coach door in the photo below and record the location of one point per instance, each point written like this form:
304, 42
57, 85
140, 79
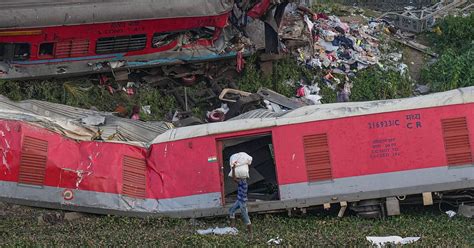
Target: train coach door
263, 184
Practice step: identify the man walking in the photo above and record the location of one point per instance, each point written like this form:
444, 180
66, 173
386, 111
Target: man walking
241, 202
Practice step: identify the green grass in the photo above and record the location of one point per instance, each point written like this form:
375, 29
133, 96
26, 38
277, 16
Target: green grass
315, 229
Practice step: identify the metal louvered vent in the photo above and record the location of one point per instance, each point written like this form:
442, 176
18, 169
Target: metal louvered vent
318, 162
456, 141
121, 44
134, 177
34, 155
73, 48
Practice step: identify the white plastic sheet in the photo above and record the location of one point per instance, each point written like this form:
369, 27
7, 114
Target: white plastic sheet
382, 241
219, 231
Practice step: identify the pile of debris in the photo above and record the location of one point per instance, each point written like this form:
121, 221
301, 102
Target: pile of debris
335, 48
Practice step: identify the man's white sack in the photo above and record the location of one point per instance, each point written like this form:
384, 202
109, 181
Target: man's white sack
242, 161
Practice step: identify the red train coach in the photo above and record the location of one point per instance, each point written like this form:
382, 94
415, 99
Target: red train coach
314, 155
47, 38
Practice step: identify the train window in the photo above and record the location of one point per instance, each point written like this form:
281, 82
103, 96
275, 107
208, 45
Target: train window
14, 51
2, 51
46, 50
121, 44
21, 51
163, 39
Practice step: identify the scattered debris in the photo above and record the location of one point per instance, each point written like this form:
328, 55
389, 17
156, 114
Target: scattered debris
219, 231
71, 216
397, 240
422, 89
275, 241
50, 218
450, 213
420, 20
466, 210
93, 120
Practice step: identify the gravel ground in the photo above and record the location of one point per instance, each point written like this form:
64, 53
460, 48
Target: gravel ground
19, 226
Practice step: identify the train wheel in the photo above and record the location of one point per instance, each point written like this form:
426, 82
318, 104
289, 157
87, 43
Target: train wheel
370, 209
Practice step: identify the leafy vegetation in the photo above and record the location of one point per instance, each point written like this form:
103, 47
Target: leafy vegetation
21, 229
376, 84
455, 43
456, 33
86, 93
285, 73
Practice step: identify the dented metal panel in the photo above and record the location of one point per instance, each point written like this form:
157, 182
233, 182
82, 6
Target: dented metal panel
68, 120
29, 13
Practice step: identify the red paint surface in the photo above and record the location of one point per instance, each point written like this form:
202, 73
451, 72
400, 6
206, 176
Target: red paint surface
351, 143
181, 168
99, 163
259, 9
92, 32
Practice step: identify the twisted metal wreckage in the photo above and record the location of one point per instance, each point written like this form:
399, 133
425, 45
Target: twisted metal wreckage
344, 153
89, 36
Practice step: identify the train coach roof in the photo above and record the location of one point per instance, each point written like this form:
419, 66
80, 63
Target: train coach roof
42, 13
322, 112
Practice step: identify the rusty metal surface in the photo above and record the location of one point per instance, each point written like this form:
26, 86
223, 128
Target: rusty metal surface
30, 13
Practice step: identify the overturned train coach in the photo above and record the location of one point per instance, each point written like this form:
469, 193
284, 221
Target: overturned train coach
52, 38
344, 153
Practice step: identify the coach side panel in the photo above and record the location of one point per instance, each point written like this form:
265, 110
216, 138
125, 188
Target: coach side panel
42, 168
377, 155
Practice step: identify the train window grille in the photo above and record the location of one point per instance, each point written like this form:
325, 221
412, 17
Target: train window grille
33, 158
121, 44
456, 141
134, 177
317, 157
72, 48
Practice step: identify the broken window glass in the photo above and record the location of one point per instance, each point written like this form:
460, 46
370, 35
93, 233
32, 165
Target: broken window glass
164, 39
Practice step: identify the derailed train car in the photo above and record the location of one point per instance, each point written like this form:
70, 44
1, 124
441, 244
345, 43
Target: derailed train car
53, 38
314, 155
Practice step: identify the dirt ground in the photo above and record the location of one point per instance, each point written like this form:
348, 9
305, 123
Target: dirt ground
416, 61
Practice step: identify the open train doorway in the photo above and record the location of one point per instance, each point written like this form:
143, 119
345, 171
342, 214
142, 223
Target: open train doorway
263, 184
